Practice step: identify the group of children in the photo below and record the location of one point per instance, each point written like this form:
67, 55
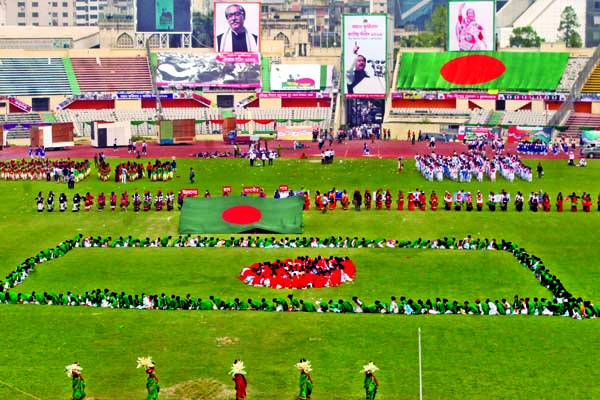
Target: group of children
145, 201
563, 303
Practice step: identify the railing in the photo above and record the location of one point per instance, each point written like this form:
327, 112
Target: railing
567, 105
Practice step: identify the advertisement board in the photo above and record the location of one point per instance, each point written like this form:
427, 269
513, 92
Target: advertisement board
529, 133
590, 136
471, 25
237, 27
364, 56
232, 70
292, 77
471, 133
165, 16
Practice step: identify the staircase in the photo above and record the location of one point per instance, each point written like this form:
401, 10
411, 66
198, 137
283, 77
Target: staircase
576, 121
592, 84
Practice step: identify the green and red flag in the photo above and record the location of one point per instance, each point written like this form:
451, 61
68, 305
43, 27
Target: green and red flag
241, 214
491, 70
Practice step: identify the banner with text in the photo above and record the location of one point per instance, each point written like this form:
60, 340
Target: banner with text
364, 57
295, 132
471, 133
291, 77
529, 133
226, 70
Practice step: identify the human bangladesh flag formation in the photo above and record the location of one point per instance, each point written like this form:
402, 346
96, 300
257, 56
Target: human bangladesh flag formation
560, 301
238, 376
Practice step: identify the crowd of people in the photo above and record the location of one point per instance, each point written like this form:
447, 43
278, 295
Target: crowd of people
131, 171
561, 303
138, 201
300, 273
465, 166
58, 171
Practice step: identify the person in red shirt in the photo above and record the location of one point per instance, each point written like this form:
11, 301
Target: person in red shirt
388, 200
400, 200
318, 201
332, 199
345, 200
422, 200
239, 378
559, 202
546, 202
573, 198
369, 198
306, 201
433, 201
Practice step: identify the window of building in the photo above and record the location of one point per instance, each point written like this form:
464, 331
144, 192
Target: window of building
66, 14
36, 24
597, 5
35, 14
21, 15
65, 4
65, 24
21, 4
55, 4
54, 15
596, 19
35, 4
21, 24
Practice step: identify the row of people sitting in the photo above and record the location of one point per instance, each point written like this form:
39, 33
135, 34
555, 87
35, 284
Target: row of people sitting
573, 308
139, 202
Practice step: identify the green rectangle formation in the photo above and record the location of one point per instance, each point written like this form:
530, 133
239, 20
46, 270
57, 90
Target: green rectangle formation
241, 214
524, 71
166, 130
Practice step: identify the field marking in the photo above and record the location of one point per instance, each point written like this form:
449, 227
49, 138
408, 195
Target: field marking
19, 390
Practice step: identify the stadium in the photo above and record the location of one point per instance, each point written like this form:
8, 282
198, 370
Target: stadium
427, 210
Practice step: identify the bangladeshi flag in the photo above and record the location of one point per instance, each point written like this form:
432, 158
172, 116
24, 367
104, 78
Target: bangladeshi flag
241, 214
491, 70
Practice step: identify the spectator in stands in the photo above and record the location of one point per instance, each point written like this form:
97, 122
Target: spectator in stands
236, 38
358, 81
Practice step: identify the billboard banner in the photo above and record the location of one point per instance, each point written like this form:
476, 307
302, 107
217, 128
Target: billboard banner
471, 25
364, 57
590, 136
237, 27
241, 70
529, 133
471, 133
296, 132
165, 16
293, 95
291, 77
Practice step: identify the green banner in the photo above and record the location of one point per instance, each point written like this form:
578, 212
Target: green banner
241, 214
490, 70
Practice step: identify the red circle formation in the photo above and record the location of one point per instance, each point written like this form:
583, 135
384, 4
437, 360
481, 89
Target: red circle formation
472, 70
242, 215
290, 273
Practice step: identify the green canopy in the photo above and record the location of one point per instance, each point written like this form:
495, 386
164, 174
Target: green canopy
241, 214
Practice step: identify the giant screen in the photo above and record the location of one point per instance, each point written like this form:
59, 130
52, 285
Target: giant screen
168, 16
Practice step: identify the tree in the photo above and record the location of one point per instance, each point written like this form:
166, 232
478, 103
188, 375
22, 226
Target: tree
203, 29
567, 27
525, 36
439, 25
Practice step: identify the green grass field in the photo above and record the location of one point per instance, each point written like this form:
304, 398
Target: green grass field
464, 357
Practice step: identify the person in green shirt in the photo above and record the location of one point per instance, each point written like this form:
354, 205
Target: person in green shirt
306, 382
77, 381
370, 383
152, 385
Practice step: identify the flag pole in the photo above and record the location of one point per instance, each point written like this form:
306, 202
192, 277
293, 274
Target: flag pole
420, 368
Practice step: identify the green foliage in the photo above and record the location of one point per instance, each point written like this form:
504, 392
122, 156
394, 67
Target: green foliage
525, 37
203, 29
567, 27
435, 36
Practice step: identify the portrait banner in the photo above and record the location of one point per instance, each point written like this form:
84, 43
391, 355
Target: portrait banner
237, 27
186, 70
471, 25
364, 56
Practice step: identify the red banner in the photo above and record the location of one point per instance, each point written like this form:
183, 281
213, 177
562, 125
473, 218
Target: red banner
226, 189
189, 192
283, 188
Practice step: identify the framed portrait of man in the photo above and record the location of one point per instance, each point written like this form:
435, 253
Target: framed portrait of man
237, 27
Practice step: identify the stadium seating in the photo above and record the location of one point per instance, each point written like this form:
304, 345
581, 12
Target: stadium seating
574, 67
113, 74
578, 120
33, 77
527, 117
20, 132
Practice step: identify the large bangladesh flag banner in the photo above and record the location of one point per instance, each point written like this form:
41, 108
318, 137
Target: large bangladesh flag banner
490, 70
241, 214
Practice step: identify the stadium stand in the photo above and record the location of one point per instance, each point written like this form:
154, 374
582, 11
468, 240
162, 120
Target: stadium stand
592, 84
33, 77
572, 71
527, 117
578, 120
112, 74
19, 132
